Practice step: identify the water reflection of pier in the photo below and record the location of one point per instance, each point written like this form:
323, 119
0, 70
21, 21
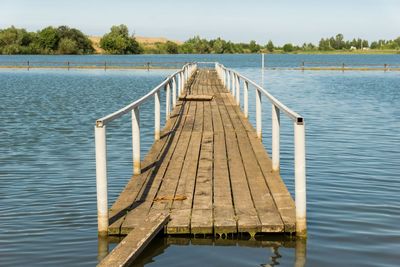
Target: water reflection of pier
160, 245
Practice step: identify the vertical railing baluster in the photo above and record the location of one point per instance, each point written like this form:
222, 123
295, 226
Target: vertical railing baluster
258, 113
233, 84
182, 84
136, 140
224, 77
173, 92
157, 115
101, 179
237, 90
167, 100
276, 124
228, 80
246, 98
300, 178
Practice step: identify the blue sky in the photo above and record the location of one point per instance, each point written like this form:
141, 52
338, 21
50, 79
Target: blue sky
282, 21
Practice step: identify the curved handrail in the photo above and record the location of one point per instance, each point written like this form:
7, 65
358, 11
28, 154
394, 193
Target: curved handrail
104, 120
290, 113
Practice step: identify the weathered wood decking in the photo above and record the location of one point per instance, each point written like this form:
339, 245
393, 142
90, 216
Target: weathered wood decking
209, 172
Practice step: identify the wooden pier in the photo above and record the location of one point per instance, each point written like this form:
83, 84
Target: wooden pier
207, 169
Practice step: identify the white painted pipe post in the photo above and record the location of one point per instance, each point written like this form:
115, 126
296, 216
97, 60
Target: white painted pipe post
167, 100
276, 124
233, 83
224, 78
246, 99
300, 178
173, 92
101, 179
157, 115
228, 80
237, 90
258, 113
183, 81
136, 141
179, 84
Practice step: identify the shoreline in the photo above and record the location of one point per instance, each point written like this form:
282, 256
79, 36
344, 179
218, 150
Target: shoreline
371, 52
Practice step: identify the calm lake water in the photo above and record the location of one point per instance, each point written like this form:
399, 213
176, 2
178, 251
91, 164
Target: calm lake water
47, 170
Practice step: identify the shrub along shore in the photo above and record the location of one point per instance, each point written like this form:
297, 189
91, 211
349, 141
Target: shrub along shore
65, 40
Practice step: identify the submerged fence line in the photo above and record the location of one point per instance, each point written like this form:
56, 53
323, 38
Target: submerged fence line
346, 66
304, 65
28, 64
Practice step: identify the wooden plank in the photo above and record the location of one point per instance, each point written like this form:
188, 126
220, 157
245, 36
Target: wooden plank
182, 210
247, 218
224, 214
149, 192
133, 244
276, 186
202, 214
170, 181
278, 189
128, 198
196, 97
263, 201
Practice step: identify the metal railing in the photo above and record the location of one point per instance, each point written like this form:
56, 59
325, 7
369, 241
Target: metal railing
231, 80
178, 82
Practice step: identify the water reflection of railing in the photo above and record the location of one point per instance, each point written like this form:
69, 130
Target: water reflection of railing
160, 245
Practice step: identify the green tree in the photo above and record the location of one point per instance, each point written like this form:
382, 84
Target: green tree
68, 46
48, 39
118, 41
171, 47
270, 46
324, 44
254, 47
82, 43
218, 46
15, 41
339, 42
287, 48
374, 45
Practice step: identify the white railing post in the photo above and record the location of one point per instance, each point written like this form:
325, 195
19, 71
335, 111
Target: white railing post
224, 77
182, 83
186, 74
300, 178
246, 99
276, 124
167, 101
157, 116
228, 80
237, 90
233, 84
258, 113
136, 141
101, 179
173, 92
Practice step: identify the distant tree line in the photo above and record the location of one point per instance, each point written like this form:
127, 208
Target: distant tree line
65, 40
50, 40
